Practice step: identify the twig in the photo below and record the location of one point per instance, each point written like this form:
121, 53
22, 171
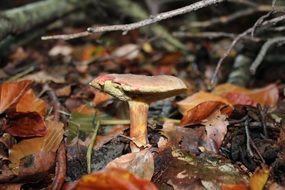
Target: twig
263, 52
66, 36
55, 101
248, 139
238, 38
262, 112
256, 150
60, 168
211, 35
150, 20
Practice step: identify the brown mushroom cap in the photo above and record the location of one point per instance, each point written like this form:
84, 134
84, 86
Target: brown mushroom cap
148, 88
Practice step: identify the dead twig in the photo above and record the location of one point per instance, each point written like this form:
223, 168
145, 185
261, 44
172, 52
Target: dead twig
248, 138
262, 27
135, 25
211, 35
263, 52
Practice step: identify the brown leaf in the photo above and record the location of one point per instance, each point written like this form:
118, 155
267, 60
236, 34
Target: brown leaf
216, 127
259, 179
49, 143
267, 95
201, 105
139, 163
30, 103
25, 124
11, 92
113, 179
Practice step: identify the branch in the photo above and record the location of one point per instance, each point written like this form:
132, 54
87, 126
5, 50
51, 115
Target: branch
263, 26
150, 20
263, 51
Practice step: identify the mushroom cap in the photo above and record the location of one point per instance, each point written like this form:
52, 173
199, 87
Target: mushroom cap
139, 87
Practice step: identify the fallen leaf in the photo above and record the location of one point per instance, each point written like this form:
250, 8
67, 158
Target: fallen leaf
9, 186
30, 103
29, 124
111, 134
238, 186
44, 77
201, 105
186, 171
11, 92
113, 179
267, 95
127, 51
216, 128
64, 91
64, 50
259, 179
139, 163
49, 143
101, 97
198, 98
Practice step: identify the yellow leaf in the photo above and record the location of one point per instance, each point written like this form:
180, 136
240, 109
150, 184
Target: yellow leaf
259, 179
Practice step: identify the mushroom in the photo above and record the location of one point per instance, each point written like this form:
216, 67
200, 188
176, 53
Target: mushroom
139, 91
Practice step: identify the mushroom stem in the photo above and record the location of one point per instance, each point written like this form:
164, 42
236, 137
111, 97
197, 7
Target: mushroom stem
138, 126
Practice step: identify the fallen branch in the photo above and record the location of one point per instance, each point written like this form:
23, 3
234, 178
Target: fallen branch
211, 35
262, 27
148, 21
22, 19
263, 52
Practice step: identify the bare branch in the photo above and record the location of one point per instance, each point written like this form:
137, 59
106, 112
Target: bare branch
211, 35
263, 51
135, 25
66, 36
263, 26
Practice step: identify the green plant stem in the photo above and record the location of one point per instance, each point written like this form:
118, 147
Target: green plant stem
90, 147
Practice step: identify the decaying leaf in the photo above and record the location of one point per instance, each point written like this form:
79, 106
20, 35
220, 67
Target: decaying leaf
28, 124
201, 105
113, 179
267, 95
11, 92
216, 127
139, 163
259, 179
49, 143
184, 171
30, 103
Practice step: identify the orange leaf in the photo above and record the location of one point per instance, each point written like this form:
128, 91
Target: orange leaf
101, 97
49, 143
201, 105
113, 179
240, 186
259, 179
11, 92
25, 124
267, 95
30, 103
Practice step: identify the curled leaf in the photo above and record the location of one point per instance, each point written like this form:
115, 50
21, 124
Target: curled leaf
201, 105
